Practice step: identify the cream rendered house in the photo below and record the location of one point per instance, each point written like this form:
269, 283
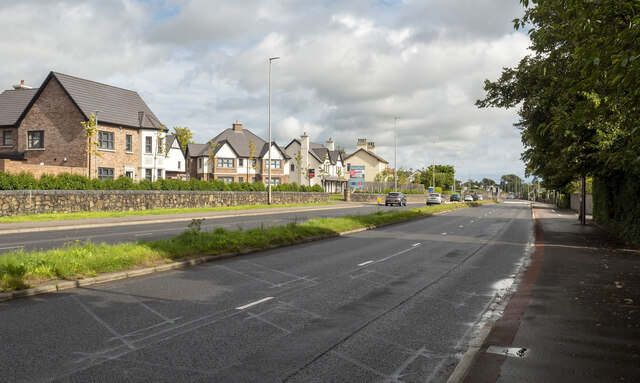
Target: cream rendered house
365, 155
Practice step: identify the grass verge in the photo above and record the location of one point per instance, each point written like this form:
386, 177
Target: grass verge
109, 214
23, 269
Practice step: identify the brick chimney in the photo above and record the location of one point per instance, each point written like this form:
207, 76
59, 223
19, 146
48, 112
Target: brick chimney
362, 144
371, 146
330, 145
237, 127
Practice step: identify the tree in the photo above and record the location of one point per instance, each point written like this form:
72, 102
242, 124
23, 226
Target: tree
252, 163
90, 130
184, 136
303, 170
578, 92
444, 177
160, 150
211, 155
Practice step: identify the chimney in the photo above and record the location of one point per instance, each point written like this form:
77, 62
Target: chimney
21, 86
362, 144
371, 146
330, 145
304, 152
237, 127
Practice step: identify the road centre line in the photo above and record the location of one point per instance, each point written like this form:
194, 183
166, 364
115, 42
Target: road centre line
416, 244
398, 253
365, 263
254, 303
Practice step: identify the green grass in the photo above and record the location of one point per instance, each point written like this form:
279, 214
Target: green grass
22, 269
108, 214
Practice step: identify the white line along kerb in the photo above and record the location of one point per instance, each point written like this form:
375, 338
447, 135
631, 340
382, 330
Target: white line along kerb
254, 303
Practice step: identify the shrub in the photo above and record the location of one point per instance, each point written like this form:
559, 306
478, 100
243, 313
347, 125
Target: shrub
65, 181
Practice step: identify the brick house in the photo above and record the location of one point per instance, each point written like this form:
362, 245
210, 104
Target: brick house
46, 135
237, 155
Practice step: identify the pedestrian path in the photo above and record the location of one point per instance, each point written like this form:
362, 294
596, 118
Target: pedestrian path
575, 316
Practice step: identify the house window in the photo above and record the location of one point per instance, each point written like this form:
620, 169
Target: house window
226, 180
254, 179
129, 174
179, 165
7, 138
35, 139
275, 164
240, 179
160, 145
104, 173
105, 139
275, 181
129, 143
147, 174
200, 163
148, 145
159, 175
226, 163
293, 167
240, 162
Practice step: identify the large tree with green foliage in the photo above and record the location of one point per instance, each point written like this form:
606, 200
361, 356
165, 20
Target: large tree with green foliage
579, 90
184, 136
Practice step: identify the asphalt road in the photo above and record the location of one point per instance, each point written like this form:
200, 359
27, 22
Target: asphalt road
399, 303
152, 230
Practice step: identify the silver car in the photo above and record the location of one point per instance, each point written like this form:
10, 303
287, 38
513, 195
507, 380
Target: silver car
435, 199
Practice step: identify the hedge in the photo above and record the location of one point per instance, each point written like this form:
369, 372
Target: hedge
65, 181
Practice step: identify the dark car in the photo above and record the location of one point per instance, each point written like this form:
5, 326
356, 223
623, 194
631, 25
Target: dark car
395, 198
455, 198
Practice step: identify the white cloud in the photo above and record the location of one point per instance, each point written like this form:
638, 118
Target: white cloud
346, 70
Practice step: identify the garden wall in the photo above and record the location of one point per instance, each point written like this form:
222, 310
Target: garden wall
21, 202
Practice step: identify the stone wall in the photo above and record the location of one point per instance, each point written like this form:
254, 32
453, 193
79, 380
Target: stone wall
21, 202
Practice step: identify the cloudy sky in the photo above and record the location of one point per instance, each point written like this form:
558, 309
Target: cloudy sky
347, 68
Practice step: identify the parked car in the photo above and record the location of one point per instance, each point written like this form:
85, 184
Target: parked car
455, 198
468, 198
479, 197
395, 198
435, 199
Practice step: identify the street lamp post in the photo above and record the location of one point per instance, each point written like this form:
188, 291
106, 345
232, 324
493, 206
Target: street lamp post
95, 157
434, 166
269, 148
395, 155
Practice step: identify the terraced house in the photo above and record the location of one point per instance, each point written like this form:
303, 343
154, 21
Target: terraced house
42, 133
238, 155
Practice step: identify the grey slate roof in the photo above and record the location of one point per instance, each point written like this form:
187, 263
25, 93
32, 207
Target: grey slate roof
13, 103
240, 141
197, 150
116, 106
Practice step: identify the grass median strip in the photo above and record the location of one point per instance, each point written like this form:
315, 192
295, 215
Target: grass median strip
22, 269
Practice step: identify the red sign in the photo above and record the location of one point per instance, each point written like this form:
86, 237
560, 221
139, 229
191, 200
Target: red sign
352, 172
312, 173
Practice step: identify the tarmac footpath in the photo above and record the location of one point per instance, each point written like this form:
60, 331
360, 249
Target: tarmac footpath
575, 315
